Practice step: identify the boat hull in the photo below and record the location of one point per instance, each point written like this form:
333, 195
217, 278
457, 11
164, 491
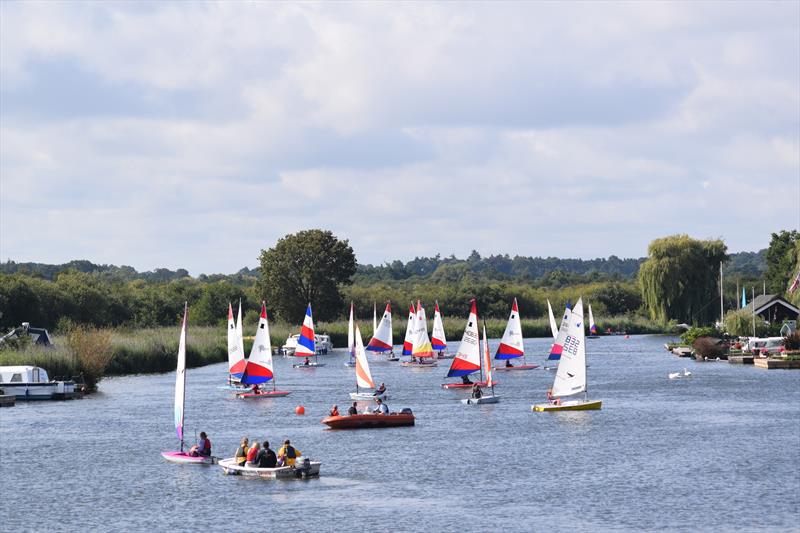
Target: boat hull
369, 421
234, 388
517, 367
568, 406
230, 467
186, 459
481, 400
265, 394
367, 396
465, 385
310, 365
411, 364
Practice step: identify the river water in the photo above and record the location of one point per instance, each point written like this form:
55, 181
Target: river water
718, 451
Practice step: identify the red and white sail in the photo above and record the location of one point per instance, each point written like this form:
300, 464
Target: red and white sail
382, 340
468, 357
259, 365
511, 344
306, 344
438, 340
363, 375
422, 343
236, 362
408, 341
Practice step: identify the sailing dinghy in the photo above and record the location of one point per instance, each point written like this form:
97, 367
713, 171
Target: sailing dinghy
438, 340
306, 346
553, 326
236, 360
259, 369
558, 342
570, 377
487, 364
468, 357
363, 375
422, 355
511, 345
181, 456
350, 340
381, 341
592, 326
408, 340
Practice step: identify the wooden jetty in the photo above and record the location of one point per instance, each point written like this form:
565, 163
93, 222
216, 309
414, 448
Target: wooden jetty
772, 362
740, 359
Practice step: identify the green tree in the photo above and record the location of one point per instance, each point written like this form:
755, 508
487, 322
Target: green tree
618, 299
308, 266
679, 280
781, 259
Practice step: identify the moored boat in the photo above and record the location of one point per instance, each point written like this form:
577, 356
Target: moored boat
303, 468
28, 382
367, 421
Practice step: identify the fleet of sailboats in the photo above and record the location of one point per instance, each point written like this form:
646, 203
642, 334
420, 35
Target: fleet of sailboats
236, 360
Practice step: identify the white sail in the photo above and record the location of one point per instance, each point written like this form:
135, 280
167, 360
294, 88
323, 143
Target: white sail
553, 326
351, 333
382, 339
468, 356
374, 318
438, 340
487, 358
259, 365
235, 354
592, 325
363, 376
511, 345
239, 332
408, 341
422, 343
180, 378
571, 374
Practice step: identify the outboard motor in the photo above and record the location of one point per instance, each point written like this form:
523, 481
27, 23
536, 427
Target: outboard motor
302, 466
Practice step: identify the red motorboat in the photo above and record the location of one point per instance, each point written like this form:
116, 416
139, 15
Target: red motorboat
367, 421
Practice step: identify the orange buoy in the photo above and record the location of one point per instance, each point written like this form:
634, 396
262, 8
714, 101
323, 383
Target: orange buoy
300, 410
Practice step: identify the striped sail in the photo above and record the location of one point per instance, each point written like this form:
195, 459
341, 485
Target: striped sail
468, 358
305, 342
438, 340
487, 358
351, 334
408, 342
553, 326
259, 364
363, 376
382, 340
236, 361
558, 344
571, 374
180, 378
422, 343
592, 325
511, 343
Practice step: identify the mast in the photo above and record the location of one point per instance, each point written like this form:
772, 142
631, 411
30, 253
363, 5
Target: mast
753, 303
721, 301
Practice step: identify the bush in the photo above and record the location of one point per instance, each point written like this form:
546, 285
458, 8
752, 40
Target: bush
792, 341
709, 348
91, 347
695, 333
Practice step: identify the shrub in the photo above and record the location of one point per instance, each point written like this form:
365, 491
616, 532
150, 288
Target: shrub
91, 347
792, 341
707, 347
695, 333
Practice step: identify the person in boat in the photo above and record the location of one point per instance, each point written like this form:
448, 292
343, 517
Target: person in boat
381, 408
476, 391
465, 380
508, 364
287, 454
550, 399
380, 390
353, 409
255, 390
241, 452
266, 458
252, 453
306, 362
202, 448
334, 410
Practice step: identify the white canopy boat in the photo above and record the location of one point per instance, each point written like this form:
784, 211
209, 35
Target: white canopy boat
28, 382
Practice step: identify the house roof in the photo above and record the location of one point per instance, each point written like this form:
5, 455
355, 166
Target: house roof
763, 302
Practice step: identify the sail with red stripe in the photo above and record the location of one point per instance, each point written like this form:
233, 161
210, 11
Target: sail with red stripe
468, 357
259, 365
408, 342
438, 340
305, 342
422, 343
363, 375
382, 340
236, 362
558, 345
511, 343
592, 325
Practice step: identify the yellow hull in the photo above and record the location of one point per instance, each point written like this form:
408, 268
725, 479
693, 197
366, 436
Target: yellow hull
569, 406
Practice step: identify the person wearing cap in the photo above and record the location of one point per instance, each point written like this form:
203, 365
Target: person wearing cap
381, 408
287, 454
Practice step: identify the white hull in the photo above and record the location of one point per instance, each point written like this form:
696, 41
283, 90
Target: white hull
367, 396
310, 365
481, 400
230, 467
39, 391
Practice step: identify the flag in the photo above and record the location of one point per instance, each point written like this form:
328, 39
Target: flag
795, 283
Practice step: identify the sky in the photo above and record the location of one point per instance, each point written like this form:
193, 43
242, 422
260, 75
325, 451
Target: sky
194, 135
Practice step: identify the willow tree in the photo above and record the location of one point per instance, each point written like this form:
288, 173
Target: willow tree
308, 266
679, 280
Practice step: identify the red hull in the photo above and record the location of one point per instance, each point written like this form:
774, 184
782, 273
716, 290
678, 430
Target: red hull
369, 421
265, 394
516, 367
464, 385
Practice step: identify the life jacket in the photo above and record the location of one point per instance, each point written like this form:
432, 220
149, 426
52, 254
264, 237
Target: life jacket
290, 452
206, 449
251, 454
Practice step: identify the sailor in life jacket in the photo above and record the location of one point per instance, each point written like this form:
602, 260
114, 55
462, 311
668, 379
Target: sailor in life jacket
287, 454
203, 446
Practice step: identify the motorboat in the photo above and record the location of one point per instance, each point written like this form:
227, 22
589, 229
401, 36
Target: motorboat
303, 468
372, 420
29, 382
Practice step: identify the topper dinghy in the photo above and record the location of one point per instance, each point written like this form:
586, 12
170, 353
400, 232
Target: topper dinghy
306, 346
511, 346
438, 340
422, 355
381, 341
481, 398
259, 369
363, 375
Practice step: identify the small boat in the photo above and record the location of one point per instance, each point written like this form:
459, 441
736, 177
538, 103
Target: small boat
259, 368
511, 346
301, 469
438, 339
367, 421
468, 357
381, 341
236, 360
592, 326
27, 382
558, 342
181, 456
487, 364
571, 374
422, 355
306, 343
363, 375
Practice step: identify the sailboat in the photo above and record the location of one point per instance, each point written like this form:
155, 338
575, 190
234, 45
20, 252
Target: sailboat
381, 341
408, 341
558, 343
468, 357
511, 346
236, 360
487, 364
363, 375
592, 326
180, 396
350, 339
438, 340
306, 346
422, 355
570, 377
259, 369
553, 326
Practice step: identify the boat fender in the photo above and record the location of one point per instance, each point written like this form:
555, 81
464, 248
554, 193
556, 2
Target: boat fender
405, 411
